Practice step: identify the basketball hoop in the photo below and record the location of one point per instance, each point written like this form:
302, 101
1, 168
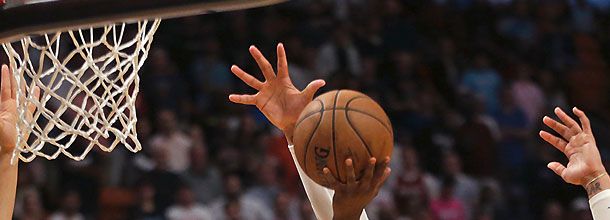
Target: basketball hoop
87, 70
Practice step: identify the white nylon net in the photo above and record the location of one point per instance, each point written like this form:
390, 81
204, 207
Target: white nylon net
88, 80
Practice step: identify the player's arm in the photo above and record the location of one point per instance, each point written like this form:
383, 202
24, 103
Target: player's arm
281, 102
8, 137
585, 166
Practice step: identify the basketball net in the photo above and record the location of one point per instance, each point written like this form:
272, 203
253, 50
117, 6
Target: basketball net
88, 80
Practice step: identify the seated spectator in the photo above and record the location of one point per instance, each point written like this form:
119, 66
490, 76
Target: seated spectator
164, 182
286, 207
204, 178
146, 208
246, 208
32, 206
267, 187
186, 208
70, 208
466, 189
483, 80
447, 206
177, 144
413, 185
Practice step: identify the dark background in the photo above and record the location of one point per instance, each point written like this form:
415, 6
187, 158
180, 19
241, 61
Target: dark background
465, 83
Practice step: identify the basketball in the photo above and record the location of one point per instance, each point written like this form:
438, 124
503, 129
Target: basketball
338, 125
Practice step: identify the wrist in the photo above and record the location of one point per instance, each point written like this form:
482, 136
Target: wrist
591, 176
289, 132
597, 185
345, 214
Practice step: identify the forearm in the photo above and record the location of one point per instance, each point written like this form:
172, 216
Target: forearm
8, 188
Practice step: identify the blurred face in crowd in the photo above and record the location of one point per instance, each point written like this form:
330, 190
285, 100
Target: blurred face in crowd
71, 203
452, 164
199, 159
160, 61
282, 201
409, 158
185, 197
232, 186
32, 203
268, 174
167, 121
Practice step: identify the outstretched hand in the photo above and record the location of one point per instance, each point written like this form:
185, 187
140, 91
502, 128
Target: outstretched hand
352, 197
277, 98
578, 144
8, 111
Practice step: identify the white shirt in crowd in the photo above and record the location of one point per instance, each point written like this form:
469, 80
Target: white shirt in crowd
195, 212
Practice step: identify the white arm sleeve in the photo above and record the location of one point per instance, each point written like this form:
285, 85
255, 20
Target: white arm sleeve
600, 205
320, 197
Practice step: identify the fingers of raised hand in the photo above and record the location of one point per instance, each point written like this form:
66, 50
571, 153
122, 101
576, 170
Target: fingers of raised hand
5, 84
557, 142
561, 129
350, 174
584, 120
243, 99
367, 178
557, 168
382, 172
263, 63
247, 78
282, 61
568, 121
331, 181
313, 87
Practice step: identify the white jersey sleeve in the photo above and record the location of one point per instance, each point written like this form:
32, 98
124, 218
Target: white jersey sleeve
600, 205
320, 197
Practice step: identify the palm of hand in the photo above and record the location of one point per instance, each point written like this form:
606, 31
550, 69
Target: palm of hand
578, 144
277, 97
8, 110
281, 103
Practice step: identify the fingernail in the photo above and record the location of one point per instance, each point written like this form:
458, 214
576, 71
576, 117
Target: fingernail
280, 44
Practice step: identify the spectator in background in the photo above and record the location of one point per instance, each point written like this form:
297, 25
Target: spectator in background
528, 95
234, 204
466, 188
32, 206
203, 177
413, 185
476, 140
165, 183
286, 207
165, 87
305, 210
267, 188
186, 208
484, 81
175, 143
339, 57
447, 206
70, 208
512, 121
146, 207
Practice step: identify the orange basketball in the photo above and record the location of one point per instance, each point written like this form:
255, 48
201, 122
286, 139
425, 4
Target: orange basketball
337, 125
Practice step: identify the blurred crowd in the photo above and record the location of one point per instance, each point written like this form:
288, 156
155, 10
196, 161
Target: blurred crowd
465, 83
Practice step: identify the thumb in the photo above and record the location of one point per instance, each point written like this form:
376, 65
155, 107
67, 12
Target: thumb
556, 167
313, 87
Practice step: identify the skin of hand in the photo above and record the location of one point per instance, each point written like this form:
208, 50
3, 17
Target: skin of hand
577, 142
352, 197
8, 138
281, 102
